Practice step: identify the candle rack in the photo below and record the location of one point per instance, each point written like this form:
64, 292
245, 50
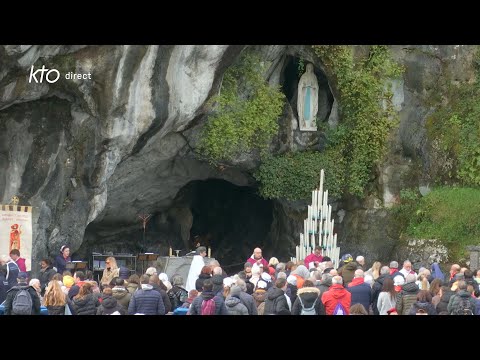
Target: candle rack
318, 227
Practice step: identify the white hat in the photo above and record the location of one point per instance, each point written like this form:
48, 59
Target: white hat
266, 277
292, 280
368, 279
261, 284
150, 271
227, 282
398, 280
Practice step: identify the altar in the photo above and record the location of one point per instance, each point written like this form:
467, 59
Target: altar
172, 265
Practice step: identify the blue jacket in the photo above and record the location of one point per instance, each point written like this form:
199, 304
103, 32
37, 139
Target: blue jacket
437, 273
361, 294
61, 263
196, 307
13, 271
146, 301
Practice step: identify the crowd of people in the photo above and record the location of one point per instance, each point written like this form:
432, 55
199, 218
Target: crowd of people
309, 287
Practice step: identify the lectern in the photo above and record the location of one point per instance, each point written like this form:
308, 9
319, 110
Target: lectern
145, 258
76, 266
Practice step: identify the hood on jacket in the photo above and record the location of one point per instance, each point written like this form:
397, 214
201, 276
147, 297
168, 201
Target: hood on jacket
274, 293
308, 290
421, 305
217, 280
351, 266
260, 295
232, 301
437, 272
410, 288
119, 292
464, 294
357, 281
338, 291
301, 271
109, 302
83, 301
207, 295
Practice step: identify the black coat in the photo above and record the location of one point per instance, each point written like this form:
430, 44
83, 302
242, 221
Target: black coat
276, 302
376, 290
45, 277
308, 296
11, 295
442, 305
3, 287
427, 307
86, 306
166, 300
177, 296
200, 280
109, 306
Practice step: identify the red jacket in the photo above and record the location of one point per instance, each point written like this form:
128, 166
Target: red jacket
21, 264
311, 258
252, 261
336, 293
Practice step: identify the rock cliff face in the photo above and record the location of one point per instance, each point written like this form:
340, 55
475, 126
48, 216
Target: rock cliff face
91, 155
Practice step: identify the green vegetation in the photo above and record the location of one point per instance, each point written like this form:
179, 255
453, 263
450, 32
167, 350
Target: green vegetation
354, 147
245, 113
293, 176
448, 214
454, 135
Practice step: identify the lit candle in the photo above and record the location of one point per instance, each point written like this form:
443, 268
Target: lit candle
209, 252
170, 253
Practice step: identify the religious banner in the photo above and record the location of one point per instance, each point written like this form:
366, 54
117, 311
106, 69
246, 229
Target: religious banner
16, 231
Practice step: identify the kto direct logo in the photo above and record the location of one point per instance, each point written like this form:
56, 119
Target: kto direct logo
51, 78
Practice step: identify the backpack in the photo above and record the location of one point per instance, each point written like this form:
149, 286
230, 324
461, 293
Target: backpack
339, 309
22, 302
208, 307
464, 307
307, 311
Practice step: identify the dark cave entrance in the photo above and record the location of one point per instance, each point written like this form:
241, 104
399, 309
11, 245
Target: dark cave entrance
230, 219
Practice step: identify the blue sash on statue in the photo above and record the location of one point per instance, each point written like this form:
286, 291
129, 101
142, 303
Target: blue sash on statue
307, 111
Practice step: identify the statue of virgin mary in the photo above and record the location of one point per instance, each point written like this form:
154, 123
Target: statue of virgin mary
307, 100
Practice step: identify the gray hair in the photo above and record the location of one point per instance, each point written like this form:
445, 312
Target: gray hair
241, 283
281, 275
410, 278
385, 270
359, 273
280, 266
34, 282
214, 263
337, 279
217, 270
201, 249
177, 280
326, 276
462, 285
